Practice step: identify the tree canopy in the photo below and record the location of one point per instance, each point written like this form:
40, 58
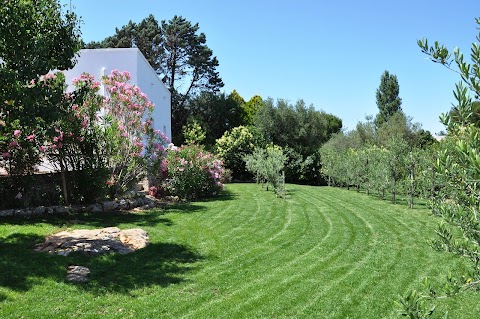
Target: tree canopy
35, 38
178, 53
388, 100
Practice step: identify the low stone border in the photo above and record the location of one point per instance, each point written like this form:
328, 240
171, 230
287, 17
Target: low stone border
107, 206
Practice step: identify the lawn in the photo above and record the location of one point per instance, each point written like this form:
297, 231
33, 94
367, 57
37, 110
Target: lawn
321, 253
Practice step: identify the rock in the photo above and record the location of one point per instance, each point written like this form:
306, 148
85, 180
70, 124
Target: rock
6, 213
122, 204
40, 210
23, 212
95, 241
78, 208
95, 208
109, 206
61, 209
77, 274
135, 238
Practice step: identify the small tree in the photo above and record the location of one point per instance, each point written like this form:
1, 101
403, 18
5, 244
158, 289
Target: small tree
267, 165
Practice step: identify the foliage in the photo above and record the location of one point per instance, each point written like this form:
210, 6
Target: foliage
347, 160
388, 101
232, 147
267, 166
79, 143
192, 173
35, 37
300, 130
217, 113
251, 108
413, 305
458, 160
193, 133
298, 126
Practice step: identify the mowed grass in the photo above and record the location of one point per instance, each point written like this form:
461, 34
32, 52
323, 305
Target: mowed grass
321, 253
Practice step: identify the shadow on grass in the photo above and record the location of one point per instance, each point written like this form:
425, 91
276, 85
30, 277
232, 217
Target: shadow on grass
149, 218
21, 266
159, 264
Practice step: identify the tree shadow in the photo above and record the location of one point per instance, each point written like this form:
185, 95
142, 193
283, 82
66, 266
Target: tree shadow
159, 264
21, 266
148, 218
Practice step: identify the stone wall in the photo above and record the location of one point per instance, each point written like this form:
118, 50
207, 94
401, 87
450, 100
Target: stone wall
107, 206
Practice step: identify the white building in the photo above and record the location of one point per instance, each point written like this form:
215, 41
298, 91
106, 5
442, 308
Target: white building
100, 62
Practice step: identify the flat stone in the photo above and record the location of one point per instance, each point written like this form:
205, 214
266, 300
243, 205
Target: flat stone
77, 274
95, 241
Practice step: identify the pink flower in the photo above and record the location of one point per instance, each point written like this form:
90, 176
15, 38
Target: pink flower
30, 138
13, 144
43, 148
16, 133
6, 155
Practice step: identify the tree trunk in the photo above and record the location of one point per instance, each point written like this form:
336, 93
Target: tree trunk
394, 191
64, 182
412, 188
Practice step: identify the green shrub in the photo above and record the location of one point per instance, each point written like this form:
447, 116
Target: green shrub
232, 148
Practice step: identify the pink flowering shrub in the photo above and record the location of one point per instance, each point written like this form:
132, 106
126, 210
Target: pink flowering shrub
105, 144
77, 143
134, 147
190, 172
26, 117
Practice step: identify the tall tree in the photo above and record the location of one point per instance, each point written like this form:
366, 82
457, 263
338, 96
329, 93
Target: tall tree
146, 36
216, 113
251, 108
178, 53
388, 101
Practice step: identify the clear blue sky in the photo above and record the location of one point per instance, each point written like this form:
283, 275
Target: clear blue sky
329, 53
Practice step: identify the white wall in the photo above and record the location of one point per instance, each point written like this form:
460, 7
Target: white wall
100, 62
